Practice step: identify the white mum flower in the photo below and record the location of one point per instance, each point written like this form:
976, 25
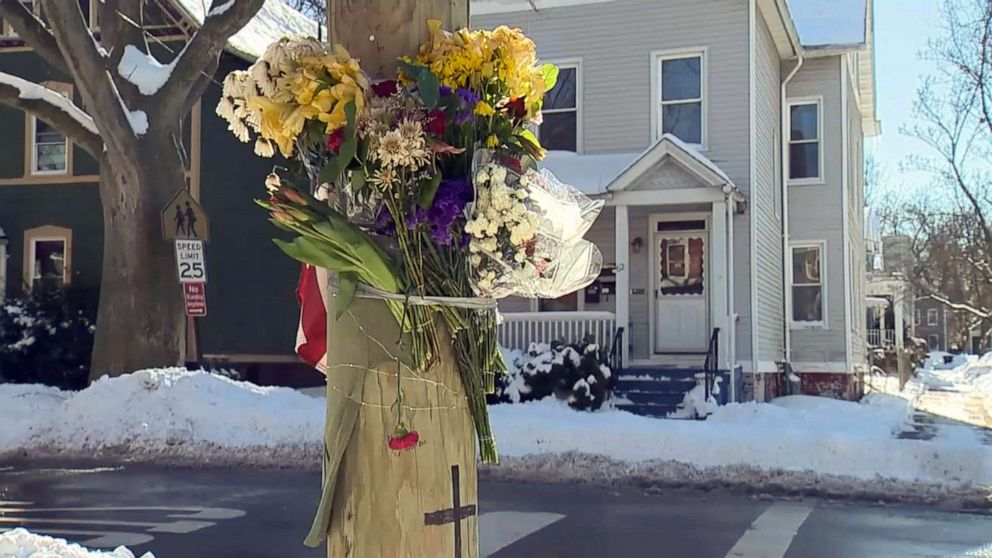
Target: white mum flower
498, 173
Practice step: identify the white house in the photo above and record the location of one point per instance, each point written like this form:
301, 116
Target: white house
726, 138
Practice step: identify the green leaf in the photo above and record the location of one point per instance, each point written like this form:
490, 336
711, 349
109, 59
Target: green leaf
357, 181
428, 189
347, 286
413, 70
429, 88
549, 73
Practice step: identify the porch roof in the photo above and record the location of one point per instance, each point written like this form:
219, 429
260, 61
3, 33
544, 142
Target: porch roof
614, 172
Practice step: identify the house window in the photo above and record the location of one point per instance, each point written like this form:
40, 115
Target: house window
681, 109
916, 317
933, 341
47, 256
49, 149
567, 303
560, 126
805, 145
807, 285
931, 316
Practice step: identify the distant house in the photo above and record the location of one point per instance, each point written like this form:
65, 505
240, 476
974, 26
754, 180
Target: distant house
726, 137
50, 202
935, 323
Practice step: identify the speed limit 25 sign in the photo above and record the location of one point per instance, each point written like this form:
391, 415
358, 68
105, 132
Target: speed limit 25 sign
190, 263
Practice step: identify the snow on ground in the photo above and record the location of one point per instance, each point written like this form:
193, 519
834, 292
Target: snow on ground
171, 415
796, 433
19, 543
166, 412
967, 375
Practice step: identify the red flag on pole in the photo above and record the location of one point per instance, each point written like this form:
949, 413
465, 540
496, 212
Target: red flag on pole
311, 334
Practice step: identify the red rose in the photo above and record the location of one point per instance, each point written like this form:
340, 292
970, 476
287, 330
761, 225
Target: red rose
517, 108
406, 441
512, 163
435, 123
335, 140
385, 88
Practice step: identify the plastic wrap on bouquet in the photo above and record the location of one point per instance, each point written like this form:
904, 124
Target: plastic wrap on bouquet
526, 231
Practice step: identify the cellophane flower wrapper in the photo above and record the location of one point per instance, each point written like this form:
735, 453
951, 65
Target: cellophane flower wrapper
526, 231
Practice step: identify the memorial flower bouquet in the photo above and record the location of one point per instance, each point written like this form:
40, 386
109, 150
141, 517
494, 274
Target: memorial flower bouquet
422, 189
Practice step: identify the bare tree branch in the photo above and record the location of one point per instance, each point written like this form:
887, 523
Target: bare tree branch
33, 31
199, 59
53, 109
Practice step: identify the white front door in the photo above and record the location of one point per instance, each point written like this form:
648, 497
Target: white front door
680, 291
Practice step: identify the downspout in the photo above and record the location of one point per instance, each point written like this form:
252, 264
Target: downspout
784, 173
729, 205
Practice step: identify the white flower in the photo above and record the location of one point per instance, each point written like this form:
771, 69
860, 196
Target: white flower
520, 256
521, 194
272, 183
481, 177
498, 173
264, 148
475, 260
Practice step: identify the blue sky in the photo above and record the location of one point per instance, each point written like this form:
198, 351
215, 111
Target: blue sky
902, 28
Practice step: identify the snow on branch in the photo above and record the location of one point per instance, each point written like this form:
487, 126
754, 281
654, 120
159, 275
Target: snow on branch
981, 313
143, 70
52, 107
197, 63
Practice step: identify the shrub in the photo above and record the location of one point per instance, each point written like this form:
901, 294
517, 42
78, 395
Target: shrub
46, 338
575, 373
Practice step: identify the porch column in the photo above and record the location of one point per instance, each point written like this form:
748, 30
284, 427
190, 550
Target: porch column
622, 224
3, 264
718, 286
899, 300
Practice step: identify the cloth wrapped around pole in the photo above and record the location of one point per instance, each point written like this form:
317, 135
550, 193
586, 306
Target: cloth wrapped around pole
383, 502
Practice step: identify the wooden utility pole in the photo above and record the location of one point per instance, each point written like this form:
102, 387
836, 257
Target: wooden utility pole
380, 502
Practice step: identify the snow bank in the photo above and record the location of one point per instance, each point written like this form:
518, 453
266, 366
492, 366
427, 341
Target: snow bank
797, 433
19, 543
194, 415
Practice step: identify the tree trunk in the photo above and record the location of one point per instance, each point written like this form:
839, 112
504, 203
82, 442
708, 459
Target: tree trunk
141, 321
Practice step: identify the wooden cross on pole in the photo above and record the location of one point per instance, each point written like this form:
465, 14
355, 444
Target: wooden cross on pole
455, 514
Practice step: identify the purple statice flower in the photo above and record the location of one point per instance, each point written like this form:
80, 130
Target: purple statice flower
415, 218
384, 224
448, 210
467, 101
444, 91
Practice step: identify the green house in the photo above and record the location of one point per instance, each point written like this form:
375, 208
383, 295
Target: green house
51, 216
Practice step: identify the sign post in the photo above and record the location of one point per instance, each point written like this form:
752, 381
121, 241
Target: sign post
185, 223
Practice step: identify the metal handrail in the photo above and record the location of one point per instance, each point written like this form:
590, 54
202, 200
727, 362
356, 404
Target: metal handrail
712, 362
616, 354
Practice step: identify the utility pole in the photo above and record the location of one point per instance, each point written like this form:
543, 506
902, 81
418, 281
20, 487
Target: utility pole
421, 499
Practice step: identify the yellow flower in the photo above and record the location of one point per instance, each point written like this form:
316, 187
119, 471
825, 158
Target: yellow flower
484, 109
492, 142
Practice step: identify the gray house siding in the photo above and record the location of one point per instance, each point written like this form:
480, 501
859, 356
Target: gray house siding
614, 42
766, 202
815, 214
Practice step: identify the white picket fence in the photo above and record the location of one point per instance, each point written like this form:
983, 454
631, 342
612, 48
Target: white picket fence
881, 337
520, 329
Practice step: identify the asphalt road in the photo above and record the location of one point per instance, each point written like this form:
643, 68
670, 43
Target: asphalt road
244, 514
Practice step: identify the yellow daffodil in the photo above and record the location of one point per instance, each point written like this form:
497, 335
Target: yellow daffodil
484, 109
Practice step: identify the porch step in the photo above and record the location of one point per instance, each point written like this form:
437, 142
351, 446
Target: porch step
662, 373
655, 386
654, 391
670, 400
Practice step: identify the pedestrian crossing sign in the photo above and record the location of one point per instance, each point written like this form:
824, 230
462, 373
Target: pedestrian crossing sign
184, 219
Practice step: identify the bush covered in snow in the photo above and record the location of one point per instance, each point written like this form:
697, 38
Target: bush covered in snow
577, 374
46, 338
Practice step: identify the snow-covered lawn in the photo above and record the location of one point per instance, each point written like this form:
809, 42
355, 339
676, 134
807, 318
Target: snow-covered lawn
170, 412
202, 418
19, 543
967, 375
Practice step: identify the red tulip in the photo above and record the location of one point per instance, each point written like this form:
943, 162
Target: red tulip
385, 88
335, 140
435, 123
517, 108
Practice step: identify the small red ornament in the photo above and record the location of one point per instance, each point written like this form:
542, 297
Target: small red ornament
335, 140
403, 439
435, 123
385, 88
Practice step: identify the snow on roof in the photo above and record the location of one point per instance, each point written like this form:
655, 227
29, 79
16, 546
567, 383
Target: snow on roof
273, 21
841, 22
590, 174
30, 90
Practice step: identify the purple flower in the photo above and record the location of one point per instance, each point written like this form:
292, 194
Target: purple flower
447, 212
444, 91
384, 223
468, 97
415, 218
